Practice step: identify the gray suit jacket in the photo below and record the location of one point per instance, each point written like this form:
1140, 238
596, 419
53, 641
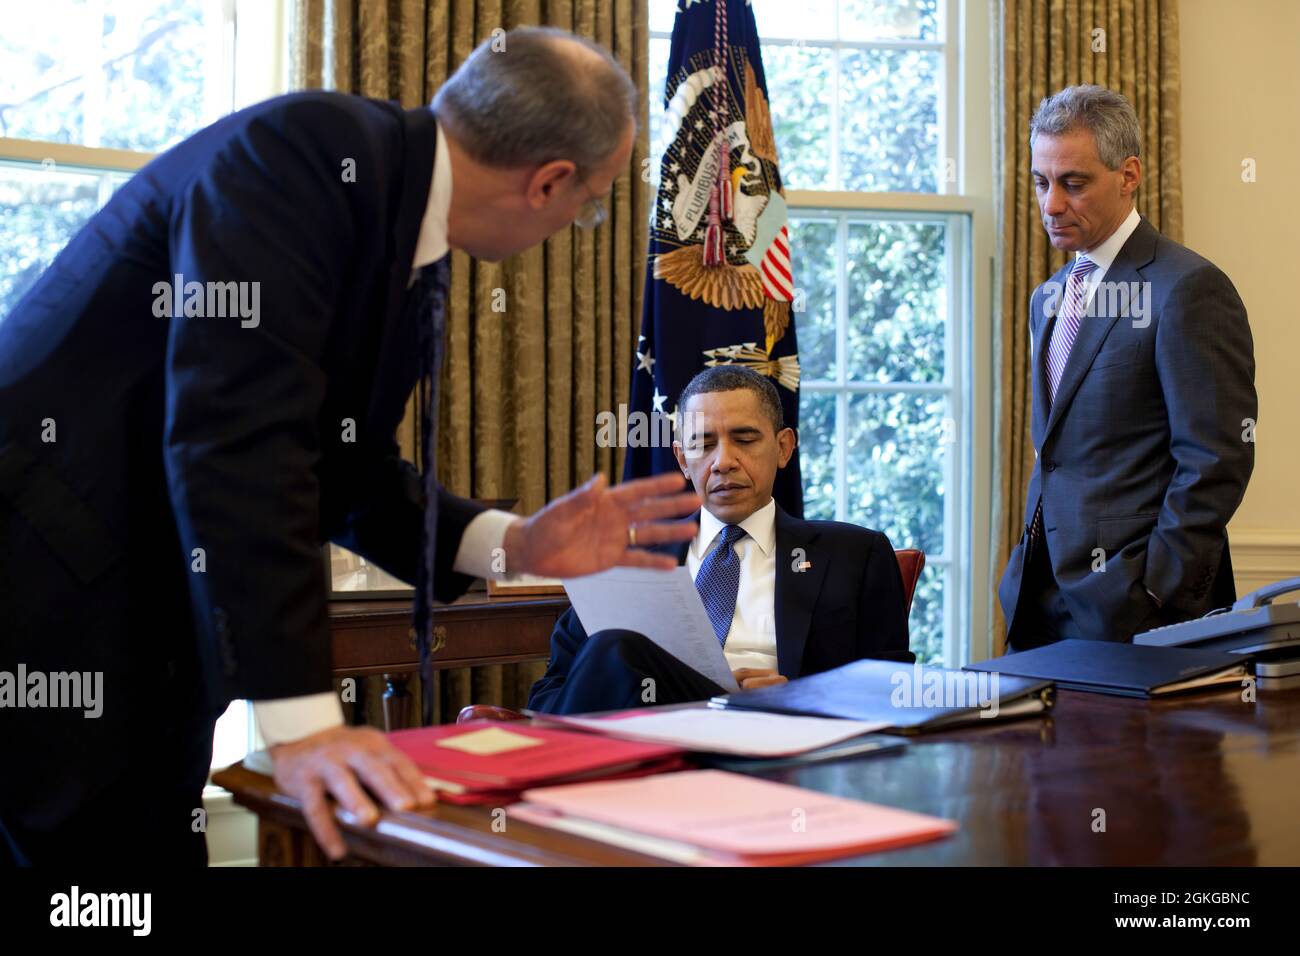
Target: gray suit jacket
1146, 451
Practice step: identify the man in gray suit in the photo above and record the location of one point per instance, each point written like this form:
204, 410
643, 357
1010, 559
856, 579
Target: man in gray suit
1144, 400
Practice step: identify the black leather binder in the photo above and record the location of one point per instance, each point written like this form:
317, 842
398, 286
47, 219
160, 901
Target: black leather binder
1129, 670
907, 698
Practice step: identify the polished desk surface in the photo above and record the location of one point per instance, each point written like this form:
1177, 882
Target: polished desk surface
1205, 779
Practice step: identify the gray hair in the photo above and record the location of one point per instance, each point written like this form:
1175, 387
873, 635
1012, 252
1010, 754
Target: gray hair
730, 378
537, 94
1108, 115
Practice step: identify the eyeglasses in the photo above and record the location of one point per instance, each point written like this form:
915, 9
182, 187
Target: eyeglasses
592, 213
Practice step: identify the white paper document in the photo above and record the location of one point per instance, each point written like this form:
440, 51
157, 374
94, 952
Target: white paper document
746, 733
662, 605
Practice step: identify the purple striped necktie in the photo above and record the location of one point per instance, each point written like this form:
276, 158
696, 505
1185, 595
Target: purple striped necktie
1068, 322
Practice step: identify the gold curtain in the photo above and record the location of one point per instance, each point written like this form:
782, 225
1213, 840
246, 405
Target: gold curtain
1130, 46
539, 343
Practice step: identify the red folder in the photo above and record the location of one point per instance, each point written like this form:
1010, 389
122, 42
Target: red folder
491, 761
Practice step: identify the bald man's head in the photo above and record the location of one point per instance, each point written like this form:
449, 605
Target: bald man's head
536, 94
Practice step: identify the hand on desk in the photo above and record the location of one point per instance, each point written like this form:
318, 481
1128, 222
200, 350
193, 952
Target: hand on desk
338, 762
752, 678
588, 529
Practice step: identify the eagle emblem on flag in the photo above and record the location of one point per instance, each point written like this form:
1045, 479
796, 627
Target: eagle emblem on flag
753, 270
720, 286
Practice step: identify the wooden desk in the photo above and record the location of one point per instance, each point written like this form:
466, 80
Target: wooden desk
1199, 780
374, 637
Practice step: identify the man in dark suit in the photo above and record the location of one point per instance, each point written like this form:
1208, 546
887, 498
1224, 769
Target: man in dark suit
204, 388
1144, 401
786, 597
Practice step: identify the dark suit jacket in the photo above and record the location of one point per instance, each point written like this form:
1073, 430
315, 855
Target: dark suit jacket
176, 434
847, 606
1143, 454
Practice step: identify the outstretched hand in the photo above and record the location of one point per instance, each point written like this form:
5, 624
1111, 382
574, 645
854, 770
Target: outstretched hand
588, 530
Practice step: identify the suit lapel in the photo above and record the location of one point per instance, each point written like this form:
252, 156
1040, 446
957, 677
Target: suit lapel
398, 357
1046, 323
796, 592
1137, 252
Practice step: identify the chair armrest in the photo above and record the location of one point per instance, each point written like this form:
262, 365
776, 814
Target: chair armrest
487, 712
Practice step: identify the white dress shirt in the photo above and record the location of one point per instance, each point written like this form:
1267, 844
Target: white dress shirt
431, 245
292, 718
1103, 256
751, 642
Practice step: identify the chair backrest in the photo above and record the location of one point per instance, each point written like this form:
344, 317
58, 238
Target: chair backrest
911, 563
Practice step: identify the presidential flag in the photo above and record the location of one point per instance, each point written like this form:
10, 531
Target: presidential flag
719, 283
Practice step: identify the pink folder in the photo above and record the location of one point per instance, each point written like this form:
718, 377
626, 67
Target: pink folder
735, 819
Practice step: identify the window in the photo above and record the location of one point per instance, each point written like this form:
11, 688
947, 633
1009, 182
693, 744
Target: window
880, 397
89, 91
126, 75
864, 99
41, 206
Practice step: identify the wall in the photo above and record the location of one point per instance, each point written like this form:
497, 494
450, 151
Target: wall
1241, 99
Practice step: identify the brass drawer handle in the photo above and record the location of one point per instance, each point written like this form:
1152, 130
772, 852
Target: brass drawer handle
439, 638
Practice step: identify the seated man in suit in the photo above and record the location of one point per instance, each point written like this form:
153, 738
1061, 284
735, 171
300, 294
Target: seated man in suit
786, 597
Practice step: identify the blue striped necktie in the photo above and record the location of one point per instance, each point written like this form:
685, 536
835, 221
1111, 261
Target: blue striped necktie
1068, 322
718, 581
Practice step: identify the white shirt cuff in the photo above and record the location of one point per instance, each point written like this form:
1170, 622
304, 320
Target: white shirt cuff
480, 554
292, 718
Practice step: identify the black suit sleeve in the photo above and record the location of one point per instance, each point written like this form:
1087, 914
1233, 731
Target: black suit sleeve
1205, 357
243, 396
385, 522
882, 627
567, 639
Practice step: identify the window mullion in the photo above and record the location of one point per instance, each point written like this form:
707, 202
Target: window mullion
105, 189
841, 366
835, 117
